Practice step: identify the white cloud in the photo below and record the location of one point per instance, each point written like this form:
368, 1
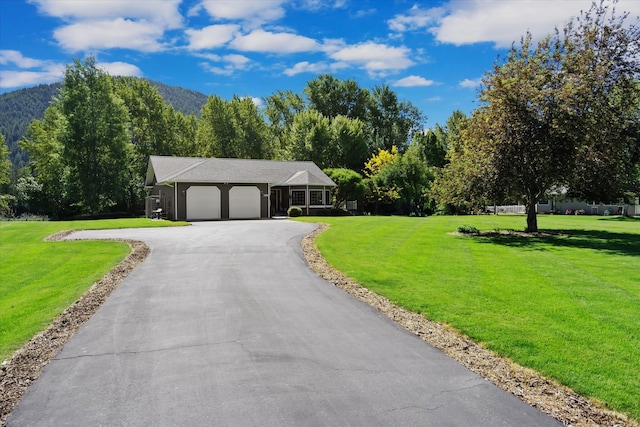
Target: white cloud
163, 12
14, 57
306, 67
120, 69
230, 63
413, 81
21, 71
109, 34
253, 12
500, 22
377, 59
211, 36
470, 83
416, 18
264, 41
106, 24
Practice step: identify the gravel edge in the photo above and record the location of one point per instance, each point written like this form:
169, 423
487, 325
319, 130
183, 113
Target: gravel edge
542, 393
24, 366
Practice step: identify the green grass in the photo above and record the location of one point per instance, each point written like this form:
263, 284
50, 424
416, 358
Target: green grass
565, 305
39, 280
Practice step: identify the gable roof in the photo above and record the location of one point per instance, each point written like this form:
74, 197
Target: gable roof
164, 170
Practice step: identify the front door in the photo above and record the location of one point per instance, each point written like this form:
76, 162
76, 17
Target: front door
276, 201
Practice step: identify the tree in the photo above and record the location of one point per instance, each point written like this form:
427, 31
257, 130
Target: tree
558, 113
234, 129
332, 97
46, 189
349, 137
251, 130
349, 185
5, 169
378, 189
280, 109
602, 58
392, 122
95, 138
216, 129
310, 138
5, 163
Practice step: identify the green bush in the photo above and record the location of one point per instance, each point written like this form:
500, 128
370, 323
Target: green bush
468, 229
294, 211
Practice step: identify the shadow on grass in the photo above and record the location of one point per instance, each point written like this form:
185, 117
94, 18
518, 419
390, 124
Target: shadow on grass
615, 243
621, 218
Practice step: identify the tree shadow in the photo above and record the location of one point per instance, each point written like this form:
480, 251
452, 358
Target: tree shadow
627, 244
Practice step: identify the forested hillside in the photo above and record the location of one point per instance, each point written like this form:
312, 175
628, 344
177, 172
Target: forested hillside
20, 107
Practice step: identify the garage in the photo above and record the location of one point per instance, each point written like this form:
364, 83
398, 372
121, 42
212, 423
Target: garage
203, 203
244, 202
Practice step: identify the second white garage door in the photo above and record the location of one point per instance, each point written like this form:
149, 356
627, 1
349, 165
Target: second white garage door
203, 202
244, 202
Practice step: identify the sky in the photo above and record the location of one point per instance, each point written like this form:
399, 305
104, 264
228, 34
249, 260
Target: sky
431, 53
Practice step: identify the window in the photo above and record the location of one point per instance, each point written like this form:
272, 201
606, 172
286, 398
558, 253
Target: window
327, 197
315, 196
298, 198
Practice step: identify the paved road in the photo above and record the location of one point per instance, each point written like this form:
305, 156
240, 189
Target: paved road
225, 325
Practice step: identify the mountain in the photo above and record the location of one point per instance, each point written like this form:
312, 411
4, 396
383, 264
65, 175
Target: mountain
20, 107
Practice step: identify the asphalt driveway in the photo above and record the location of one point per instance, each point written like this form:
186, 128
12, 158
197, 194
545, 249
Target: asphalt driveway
224, 324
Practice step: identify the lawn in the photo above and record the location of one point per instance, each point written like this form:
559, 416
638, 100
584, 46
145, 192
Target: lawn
39, 280
566, 305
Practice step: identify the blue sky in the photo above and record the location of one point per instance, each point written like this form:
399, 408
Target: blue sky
432, 53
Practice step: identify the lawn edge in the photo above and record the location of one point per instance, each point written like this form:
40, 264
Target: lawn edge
25, 365
545, 394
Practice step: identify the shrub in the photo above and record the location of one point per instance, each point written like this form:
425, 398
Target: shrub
468, 229
294, 211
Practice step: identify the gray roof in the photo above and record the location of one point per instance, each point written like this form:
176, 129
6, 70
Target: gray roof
164, 169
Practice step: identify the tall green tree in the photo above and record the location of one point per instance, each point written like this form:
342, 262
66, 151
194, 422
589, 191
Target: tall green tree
350, 139
95, 139
251, 130
216, 129
392, 122
45, 190
310, 138
333, 97
561, 112
280, 109
602, 57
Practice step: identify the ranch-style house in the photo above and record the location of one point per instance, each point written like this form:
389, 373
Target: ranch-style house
194, 188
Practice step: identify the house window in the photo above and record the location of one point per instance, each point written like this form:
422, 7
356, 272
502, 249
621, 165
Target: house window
315, 196
298, 198
327, 197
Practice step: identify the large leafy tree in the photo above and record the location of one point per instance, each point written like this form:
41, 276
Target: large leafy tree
310, 138
234, 129
559, 112
46, 189
95, 138
332, 97
392, 122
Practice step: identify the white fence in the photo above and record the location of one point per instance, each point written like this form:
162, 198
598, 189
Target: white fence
506, 209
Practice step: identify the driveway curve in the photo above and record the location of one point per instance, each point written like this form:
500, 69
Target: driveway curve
224, 324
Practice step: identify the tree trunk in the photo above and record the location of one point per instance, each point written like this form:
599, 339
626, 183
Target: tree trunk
532, 217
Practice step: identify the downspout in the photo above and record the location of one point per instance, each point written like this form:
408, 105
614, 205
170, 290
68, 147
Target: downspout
175, 203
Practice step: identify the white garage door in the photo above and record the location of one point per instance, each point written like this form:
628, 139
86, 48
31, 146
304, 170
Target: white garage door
244, 202
203, 202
